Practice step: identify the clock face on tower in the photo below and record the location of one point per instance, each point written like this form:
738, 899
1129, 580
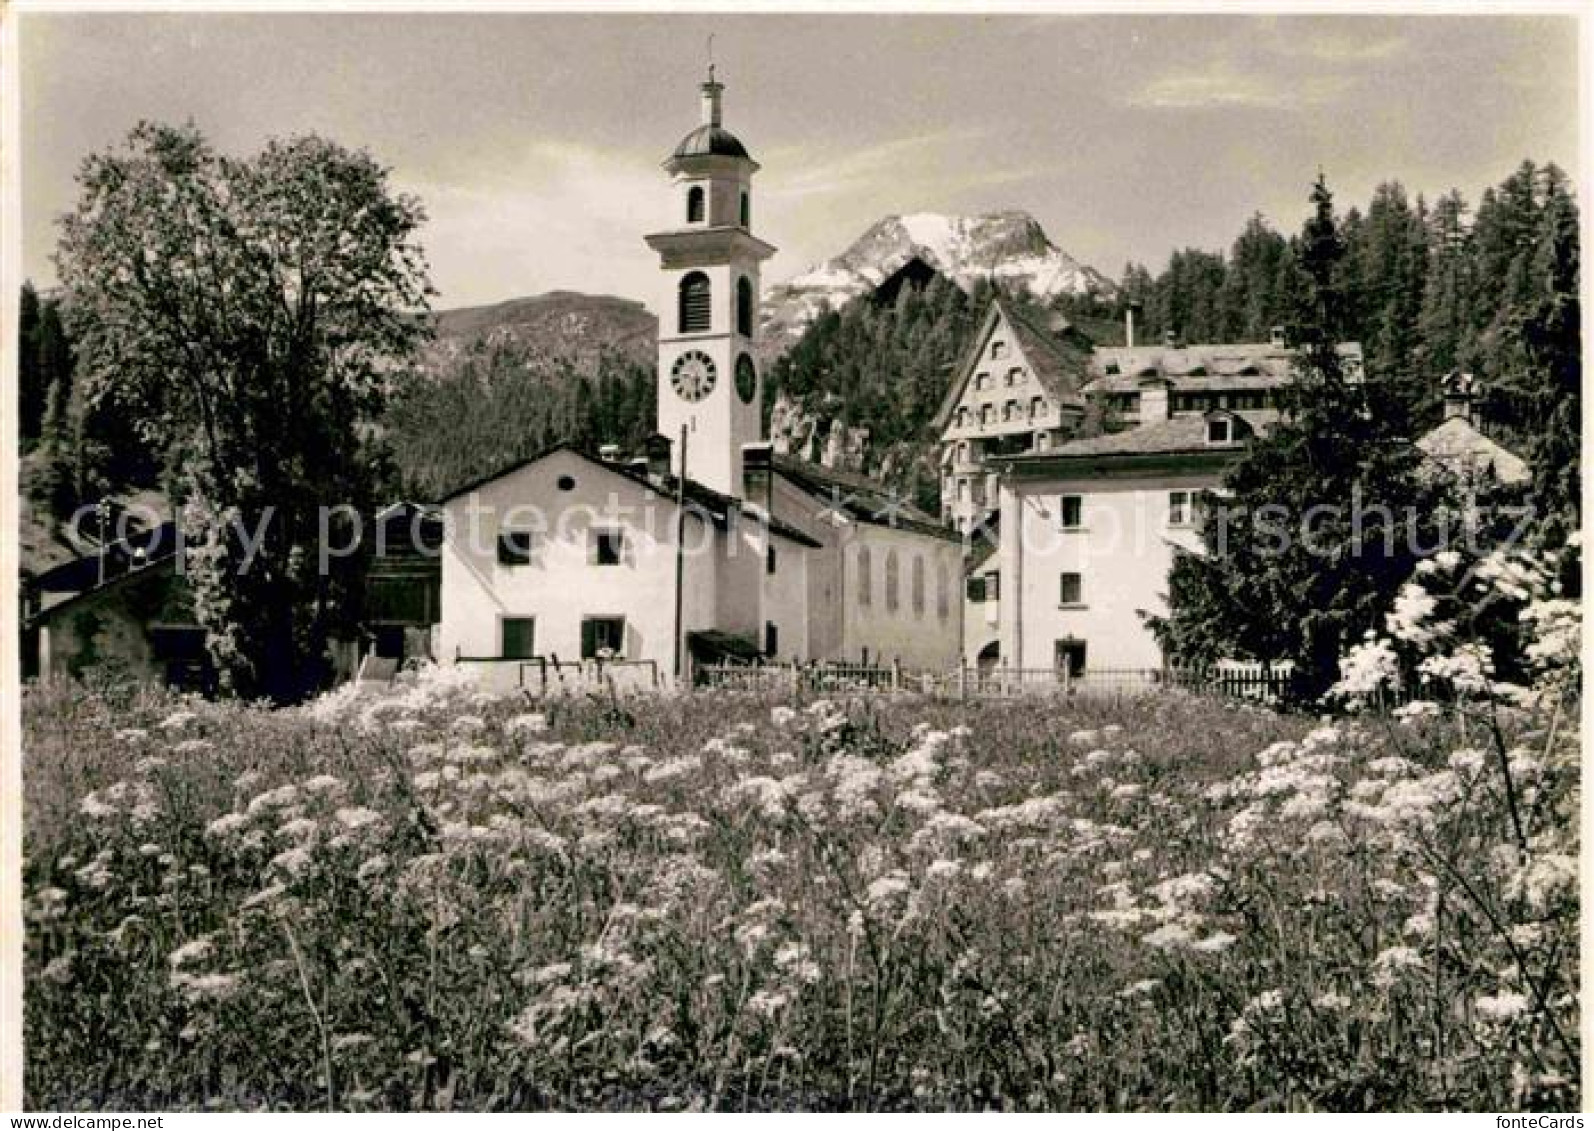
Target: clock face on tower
692, 376
746, 379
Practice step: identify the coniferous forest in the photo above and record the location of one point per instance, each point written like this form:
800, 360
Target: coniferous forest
1432, 285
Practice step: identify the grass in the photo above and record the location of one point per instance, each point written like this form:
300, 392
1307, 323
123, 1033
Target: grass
438, 900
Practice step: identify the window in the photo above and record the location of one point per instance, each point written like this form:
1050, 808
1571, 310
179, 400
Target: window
517, 638
963, 490
1220, 431
965, 449
1181, 508
1071, 508
943, 600
974, 590
987, 413
916, 586
747, 211
1007, 411
696, 313
769, 558
602, 638
771, 638
744, 307
1037, 407
993, 586
607, 547
865, 578
962, 416
893, 594
1068, 655
514, 547
1015, 376
998, 350
982, 381
1069, 589
694, 205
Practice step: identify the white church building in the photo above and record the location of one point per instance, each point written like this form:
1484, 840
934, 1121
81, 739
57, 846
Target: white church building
709, 545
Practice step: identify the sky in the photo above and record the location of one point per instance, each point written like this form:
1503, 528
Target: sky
535, 140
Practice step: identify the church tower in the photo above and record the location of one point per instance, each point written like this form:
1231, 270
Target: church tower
708, 303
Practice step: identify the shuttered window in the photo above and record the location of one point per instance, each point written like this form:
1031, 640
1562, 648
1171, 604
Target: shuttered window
696, 312
519, 639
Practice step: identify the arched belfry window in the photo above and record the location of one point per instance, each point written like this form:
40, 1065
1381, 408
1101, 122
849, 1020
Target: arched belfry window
694, 205
747, 211
744, 307
696, 314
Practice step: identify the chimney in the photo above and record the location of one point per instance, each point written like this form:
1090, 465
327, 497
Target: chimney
1153, 402
711, 99
1460, 391
1130, 313
656, 449
1277, 338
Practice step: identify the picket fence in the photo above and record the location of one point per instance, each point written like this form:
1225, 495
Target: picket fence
1236, 681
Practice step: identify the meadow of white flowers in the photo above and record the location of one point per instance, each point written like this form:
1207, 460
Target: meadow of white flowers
437, 899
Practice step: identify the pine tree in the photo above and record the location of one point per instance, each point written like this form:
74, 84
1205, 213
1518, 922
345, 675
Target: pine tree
1299, 559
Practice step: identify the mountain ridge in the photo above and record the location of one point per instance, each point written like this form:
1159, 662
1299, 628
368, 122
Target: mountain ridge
1007, 246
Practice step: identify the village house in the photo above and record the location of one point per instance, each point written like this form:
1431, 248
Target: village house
709, 546
1017, 389
1089, 526
126, 611
1459, 448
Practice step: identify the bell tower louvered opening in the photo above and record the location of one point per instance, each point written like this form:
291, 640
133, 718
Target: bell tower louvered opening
696, 309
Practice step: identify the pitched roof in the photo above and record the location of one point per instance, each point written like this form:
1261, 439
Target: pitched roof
716, 505
1235, 365
131, 553
1061, 367
859, 497
161, 565
1177, 435
1462, 448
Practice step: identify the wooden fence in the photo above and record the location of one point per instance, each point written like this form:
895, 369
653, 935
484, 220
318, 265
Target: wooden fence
1244, 682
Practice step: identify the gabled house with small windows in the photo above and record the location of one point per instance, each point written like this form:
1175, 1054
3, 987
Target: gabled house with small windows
708, 546
1017, 389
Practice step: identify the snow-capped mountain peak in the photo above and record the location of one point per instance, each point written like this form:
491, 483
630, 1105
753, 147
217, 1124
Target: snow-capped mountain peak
1010, 247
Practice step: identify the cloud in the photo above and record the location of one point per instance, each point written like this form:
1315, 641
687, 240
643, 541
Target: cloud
1331, 45
1281, 63
556, 215
806, 171
1223, 84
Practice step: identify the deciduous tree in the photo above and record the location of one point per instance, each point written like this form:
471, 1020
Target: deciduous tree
244, 312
